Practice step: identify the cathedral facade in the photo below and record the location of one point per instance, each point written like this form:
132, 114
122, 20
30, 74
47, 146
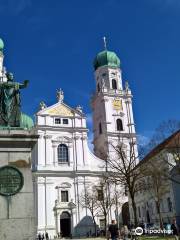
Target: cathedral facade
64, 167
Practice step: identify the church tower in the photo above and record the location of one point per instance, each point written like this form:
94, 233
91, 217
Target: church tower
1, 59
111, 104
3, 77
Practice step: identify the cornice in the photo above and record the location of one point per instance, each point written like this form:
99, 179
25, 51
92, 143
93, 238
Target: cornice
72, 174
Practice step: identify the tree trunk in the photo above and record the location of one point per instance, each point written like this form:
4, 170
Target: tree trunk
105, 218
134, 211
95, 227
159, 213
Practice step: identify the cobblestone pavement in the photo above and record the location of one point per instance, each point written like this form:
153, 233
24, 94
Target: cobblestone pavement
80, 238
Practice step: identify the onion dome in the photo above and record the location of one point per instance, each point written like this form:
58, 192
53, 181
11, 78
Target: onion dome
1, 45
26, 121
106, 58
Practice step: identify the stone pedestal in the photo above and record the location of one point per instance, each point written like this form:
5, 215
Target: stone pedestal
15, 150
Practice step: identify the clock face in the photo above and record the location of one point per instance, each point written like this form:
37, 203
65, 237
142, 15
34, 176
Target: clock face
117, 104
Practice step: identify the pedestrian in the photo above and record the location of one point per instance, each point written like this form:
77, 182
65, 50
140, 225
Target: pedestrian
47, 236
175, 229
125, 232
39, 236
42, 236
113, 230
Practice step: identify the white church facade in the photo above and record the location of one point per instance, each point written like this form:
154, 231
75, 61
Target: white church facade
64, 167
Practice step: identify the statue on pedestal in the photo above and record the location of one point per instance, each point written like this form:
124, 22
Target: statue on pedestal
10, 102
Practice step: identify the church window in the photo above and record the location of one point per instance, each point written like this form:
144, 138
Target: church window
139, 211
100, 128
100, 194
65, 121
64, 196
126, 191
169, 203
62, 153
104, 74
98, 87
119, 125
102, 224
114, 84
57, 121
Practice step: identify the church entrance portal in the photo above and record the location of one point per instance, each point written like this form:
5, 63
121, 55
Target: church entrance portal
125, 214
65, 224
148, 217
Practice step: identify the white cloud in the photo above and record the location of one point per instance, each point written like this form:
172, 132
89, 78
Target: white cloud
89, 120
90, 139
142, 140
90, 134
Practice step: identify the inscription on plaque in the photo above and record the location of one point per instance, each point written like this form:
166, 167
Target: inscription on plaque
11, 180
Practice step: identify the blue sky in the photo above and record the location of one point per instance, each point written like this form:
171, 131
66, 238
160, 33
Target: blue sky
53, 44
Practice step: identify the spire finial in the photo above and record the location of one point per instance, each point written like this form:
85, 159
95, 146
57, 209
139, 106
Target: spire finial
105, 43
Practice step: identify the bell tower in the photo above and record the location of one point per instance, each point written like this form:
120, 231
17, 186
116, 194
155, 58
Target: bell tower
111, 105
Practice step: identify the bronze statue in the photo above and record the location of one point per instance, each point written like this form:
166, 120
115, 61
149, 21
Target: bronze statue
10, 103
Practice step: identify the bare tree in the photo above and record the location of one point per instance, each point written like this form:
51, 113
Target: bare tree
121, 169
168, 151
173, 147
162, 132
88, 200
99, 199
156, 182
106, 198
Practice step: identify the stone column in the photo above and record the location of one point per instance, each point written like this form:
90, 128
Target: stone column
15, 150
58, 223
48, 156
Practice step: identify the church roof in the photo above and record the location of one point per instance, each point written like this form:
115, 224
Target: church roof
60, 109
106, 58
172, 142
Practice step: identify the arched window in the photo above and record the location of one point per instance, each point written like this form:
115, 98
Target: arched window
98, 87
114, 84
64, 196
119, 124
65, 215
62, 153
100, 128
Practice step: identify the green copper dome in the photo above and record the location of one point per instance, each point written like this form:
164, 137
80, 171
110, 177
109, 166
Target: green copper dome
26, 121
106, 58
1, 44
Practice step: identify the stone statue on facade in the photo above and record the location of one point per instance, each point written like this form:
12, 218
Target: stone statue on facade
126, 86
42, 105
10, 101
79, 108
60, 95
103, 84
